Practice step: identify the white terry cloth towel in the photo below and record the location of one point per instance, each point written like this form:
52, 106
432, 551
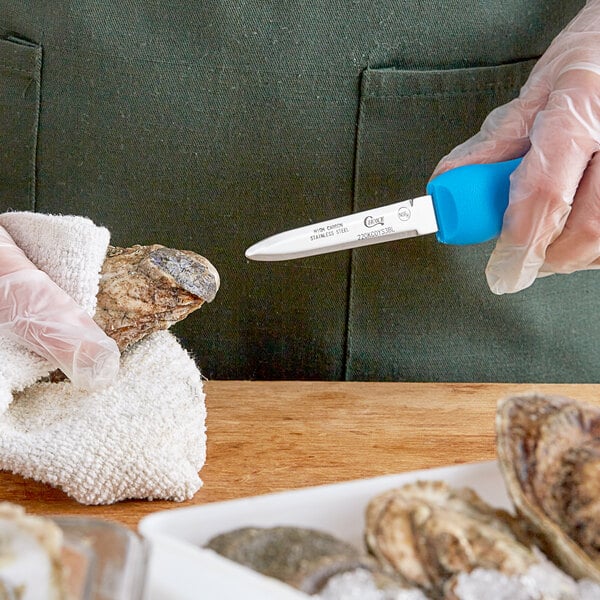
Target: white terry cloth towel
142, 437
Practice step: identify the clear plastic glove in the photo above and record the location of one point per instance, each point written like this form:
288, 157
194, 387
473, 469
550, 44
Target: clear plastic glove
38, 314
552, 223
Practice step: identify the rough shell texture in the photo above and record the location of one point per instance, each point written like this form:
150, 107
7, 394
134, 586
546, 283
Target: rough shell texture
428, 532
147, 288
549, 452
303, 558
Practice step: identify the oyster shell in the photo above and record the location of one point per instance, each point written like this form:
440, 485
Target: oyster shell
30, 556
144, 289
428, 533
303, 558
549, 452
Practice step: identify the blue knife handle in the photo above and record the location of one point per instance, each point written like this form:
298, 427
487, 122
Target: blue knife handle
469, 202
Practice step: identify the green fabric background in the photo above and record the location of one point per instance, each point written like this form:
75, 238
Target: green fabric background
210, 125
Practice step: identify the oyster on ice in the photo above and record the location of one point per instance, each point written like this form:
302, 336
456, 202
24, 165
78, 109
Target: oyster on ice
30, 556
549, 452
429, 533
303, 558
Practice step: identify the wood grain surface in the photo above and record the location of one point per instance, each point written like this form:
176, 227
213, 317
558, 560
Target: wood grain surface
273, 436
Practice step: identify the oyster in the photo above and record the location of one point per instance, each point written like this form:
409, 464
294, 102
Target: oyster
147, 288
303, 558
30, 556
143, 289
429, 533
549, 452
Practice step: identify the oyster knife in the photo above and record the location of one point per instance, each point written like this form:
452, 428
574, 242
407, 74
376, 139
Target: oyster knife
462, 206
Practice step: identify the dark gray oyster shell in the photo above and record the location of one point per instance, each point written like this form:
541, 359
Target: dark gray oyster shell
303, 558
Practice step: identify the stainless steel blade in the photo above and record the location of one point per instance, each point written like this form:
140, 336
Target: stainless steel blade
405, 219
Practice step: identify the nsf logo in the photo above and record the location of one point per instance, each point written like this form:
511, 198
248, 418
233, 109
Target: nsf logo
404, 213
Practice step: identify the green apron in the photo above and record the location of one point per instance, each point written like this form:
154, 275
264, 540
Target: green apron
209, 125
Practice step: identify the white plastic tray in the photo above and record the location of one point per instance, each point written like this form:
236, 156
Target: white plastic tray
181, 569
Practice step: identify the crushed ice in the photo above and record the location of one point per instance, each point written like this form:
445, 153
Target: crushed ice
543, 581
360, 585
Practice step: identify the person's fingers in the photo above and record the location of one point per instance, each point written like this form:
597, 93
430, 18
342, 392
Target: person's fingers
38, 314
563, 138
578, 245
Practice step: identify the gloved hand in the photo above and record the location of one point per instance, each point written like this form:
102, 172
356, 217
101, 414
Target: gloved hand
38, 314
552, 223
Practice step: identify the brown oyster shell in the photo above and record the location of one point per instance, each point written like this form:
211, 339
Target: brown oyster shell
428, 532
144, 289
549, 452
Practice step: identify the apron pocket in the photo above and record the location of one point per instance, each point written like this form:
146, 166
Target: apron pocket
20, 80
409, 119
421, 310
